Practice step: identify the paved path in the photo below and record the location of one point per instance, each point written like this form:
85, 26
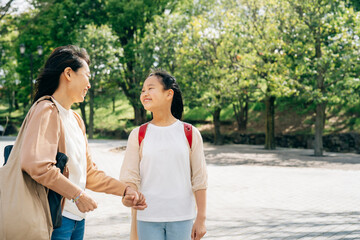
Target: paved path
253, 194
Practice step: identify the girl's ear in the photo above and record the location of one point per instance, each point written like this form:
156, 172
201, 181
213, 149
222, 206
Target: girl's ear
171, 93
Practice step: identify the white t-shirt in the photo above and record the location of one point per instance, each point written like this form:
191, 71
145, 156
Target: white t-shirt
76, 152
166, 175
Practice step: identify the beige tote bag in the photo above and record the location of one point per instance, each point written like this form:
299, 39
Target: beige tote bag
24, 208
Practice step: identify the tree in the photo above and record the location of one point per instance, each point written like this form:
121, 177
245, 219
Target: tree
4, 8
100, 44
128, 20
8, 76
203, 66
258, 47
324, 44
354, 3
61, 21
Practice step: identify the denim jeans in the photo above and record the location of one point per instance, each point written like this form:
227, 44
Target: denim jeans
180, 230
69, 230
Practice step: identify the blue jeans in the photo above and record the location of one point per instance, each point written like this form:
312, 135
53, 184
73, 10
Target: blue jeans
69, 230
180, 230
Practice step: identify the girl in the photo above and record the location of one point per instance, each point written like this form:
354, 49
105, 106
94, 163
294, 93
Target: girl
63, 82
166, 168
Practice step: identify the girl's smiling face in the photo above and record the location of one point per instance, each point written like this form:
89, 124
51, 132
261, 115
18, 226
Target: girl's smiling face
154, 96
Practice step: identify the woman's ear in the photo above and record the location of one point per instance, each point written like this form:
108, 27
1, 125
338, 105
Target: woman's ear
67, 73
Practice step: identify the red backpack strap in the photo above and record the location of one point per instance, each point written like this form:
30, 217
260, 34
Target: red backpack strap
188, 133
142, 132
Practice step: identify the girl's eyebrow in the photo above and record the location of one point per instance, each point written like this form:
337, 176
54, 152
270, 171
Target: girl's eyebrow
149, 85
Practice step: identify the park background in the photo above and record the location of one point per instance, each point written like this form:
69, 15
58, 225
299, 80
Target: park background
273, 72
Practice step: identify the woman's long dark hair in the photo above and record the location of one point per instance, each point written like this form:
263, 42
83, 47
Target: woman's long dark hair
169, 82
61, 58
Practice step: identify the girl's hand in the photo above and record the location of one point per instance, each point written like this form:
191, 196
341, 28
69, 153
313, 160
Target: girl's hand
85, 203
141, 204
199, 229
134, 199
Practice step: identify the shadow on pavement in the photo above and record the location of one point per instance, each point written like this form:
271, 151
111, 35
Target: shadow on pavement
286, 157
283, 224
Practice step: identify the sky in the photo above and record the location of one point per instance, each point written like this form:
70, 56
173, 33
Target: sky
18, 5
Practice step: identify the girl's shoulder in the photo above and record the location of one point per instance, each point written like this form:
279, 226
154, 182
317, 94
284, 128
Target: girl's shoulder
194, 129
135, 132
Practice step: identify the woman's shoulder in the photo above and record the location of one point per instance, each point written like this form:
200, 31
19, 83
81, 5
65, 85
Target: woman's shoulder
43, 108
45, 104
79, 120
44, 112
77, 116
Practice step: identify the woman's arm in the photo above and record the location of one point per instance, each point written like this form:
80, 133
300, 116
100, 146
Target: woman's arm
97, 180
39, 149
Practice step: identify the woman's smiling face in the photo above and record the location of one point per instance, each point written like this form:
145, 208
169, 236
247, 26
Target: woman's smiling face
80, 83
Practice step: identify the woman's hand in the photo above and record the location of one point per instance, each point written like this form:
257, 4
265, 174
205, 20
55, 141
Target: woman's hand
199, 229
85, 203
134, 199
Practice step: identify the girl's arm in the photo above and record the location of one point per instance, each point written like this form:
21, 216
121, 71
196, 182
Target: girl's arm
198, 163
130, 169
199, 228
199, 184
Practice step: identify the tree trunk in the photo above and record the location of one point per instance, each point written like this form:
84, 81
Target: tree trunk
270, 123
140, 115
11, 97
218, 139
83, 113
321, 106
90, 130
133, 96
16, 103
241, 109
319, 128
113, 104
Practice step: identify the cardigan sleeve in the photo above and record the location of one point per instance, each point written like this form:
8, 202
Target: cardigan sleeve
97, 180
39, 149
198, 164
130, 169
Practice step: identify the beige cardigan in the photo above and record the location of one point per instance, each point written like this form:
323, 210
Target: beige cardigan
41, 143
130, 170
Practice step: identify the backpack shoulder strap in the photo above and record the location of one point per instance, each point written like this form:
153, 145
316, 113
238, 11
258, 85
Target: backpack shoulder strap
187, 130
142, 132
188, 133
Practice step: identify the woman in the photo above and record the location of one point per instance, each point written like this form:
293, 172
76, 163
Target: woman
53, 127
169, 170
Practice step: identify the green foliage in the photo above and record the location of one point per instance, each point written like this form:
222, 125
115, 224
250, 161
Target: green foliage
353, 3
100, 44
323, 45
223, 53
107, 119
128, 20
